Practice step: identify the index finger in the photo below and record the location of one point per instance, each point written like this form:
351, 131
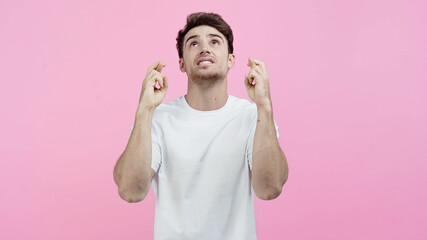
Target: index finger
250, 63
258, 63
159, 66
156, 66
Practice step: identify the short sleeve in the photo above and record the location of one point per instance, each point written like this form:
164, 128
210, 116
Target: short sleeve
250, 143
156, 156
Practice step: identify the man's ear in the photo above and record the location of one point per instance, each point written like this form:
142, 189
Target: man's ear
181, 65
231, 60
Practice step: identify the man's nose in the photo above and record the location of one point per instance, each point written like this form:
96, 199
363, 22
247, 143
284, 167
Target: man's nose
204, 50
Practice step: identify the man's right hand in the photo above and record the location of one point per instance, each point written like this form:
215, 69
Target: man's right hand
151, 96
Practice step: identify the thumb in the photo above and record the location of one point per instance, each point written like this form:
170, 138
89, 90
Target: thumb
165, 83
247, 84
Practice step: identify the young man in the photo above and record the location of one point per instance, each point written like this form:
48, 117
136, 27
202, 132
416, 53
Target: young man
208, 152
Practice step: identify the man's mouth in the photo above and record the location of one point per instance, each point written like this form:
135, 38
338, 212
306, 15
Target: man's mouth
205, 61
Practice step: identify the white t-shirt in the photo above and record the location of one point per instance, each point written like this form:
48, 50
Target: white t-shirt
203, 162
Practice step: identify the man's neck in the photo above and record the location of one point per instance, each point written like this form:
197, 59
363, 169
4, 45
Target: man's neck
204, 98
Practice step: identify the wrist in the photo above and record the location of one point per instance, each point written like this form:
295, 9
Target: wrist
145, 110
266, 106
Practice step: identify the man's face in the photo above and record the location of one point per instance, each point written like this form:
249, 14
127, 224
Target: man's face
205, 54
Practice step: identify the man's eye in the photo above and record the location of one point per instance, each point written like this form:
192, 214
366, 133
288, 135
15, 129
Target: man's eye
215, 42
193, 44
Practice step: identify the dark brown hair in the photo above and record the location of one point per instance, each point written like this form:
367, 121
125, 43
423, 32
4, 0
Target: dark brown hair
201, 18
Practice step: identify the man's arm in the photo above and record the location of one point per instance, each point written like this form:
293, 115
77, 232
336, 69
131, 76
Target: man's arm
133, 172
269, 166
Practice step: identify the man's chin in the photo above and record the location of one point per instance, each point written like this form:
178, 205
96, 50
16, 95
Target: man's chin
211, 76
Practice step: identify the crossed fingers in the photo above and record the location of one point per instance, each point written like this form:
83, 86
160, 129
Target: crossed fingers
257, 65
154, 73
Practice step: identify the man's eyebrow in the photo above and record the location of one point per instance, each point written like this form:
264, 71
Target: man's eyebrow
210, 35
215, 35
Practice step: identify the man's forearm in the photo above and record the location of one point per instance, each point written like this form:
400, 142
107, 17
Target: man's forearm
132, 170
269, 166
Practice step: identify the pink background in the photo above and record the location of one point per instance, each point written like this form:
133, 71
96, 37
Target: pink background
348, 84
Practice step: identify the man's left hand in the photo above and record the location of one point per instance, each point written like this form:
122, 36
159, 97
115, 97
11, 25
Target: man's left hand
257, 85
